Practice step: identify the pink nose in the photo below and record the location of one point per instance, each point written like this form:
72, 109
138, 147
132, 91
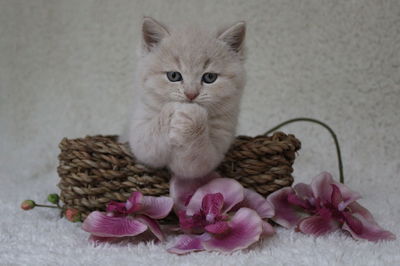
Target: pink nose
191, 95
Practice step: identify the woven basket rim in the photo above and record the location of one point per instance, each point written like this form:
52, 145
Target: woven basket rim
97, 169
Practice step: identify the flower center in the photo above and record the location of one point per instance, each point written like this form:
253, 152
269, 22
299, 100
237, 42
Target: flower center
210, 218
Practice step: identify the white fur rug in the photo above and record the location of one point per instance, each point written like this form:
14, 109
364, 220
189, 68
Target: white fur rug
39, 237
66, 70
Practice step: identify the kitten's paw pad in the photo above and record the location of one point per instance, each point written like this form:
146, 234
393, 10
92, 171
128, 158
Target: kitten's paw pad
188, 122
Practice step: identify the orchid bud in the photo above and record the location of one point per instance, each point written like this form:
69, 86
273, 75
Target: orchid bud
73, 215
27, 205
53, 198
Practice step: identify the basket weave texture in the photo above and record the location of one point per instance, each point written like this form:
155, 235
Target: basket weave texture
96, 169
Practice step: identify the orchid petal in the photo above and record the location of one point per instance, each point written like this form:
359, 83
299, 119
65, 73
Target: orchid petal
285, 213
152, 225
130, 206
267, 229
336, 197
355, 207
245, 229
134, 201
325, 213
348, 195
117, 207
316, 225
321, 187
182, 189
367, 229
212, 205
187, 243
190, 223
256, 202
156, 207
185, 222
297, 201
99, 224
304, 191
218, 227
353, 223
231, 190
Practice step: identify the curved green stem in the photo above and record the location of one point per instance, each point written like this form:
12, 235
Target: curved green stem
46, 206
305, 119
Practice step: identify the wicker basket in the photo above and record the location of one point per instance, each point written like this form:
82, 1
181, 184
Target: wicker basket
97, 169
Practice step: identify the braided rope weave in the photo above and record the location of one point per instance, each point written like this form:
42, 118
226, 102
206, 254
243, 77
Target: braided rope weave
96, 169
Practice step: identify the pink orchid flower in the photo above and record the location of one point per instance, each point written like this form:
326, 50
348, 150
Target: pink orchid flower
130, 218
223, 216
323, 207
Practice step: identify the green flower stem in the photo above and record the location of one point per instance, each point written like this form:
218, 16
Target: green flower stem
46, 206
305, 119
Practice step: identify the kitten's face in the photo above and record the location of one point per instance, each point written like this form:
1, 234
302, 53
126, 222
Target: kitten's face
192, 65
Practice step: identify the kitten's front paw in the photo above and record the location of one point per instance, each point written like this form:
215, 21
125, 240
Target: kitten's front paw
188, 122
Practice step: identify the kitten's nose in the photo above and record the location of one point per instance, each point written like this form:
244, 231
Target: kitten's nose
191, 95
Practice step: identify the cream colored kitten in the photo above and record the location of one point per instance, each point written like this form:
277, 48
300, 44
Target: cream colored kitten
189, 82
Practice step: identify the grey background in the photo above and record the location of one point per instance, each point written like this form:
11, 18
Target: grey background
66, 69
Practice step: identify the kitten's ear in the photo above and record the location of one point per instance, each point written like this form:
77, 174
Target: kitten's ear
152, 33
234, 36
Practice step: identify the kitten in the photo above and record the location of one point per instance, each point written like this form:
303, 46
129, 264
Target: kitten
189, 82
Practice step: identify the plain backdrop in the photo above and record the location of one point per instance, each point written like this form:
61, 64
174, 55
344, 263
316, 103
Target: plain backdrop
66, 70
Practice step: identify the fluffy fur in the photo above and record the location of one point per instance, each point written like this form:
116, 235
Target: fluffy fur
167, 127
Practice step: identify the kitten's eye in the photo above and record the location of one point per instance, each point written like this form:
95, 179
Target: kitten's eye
209, 77
174, 76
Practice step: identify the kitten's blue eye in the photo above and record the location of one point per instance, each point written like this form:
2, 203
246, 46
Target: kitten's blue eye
209, 77
174, 76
